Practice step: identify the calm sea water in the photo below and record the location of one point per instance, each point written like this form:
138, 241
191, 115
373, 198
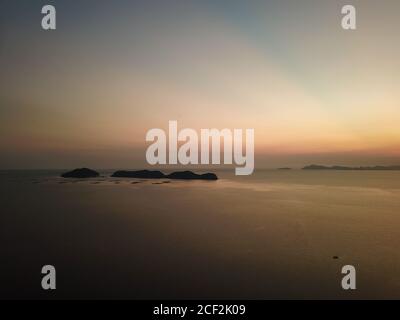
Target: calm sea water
269, 235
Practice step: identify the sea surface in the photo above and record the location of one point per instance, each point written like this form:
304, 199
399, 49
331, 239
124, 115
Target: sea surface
278, 234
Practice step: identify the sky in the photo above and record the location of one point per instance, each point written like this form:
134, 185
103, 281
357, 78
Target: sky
86, 93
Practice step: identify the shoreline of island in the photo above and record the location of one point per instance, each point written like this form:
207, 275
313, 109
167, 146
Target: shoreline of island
345, 168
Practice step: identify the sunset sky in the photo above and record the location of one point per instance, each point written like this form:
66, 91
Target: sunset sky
87, 93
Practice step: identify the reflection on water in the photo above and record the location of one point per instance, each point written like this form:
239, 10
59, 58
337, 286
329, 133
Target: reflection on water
276, 234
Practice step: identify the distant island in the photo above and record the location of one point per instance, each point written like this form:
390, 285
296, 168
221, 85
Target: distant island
320, 167
81, 173
285, 168
142, 174
181, 175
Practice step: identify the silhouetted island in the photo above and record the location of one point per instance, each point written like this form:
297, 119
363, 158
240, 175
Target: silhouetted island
148, 174
143, 174
81, 173
189, 175
285, 168
319, 167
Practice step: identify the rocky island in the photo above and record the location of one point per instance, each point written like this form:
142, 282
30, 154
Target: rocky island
148, 174
81, 173
189, 175
143, 174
